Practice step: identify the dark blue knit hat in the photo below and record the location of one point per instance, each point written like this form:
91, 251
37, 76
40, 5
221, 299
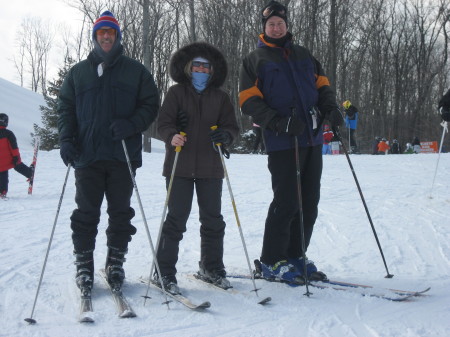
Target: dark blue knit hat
107, 19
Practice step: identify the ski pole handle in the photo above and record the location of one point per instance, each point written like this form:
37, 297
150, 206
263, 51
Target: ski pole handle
178, 148
214, 127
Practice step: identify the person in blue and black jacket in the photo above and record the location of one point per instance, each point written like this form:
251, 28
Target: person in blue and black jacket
284, 89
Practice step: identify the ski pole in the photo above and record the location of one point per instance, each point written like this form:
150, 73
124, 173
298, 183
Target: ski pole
146, 225
169, 189
300, 209
444, 130
219, 146
31, 320
336, 132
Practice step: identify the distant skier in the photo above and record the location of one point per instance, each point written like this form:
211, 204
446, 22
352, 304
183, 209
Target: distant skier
383, 147
396, 148
351, 122
375, 143
327, 138
9, 156
416, 145
409, 149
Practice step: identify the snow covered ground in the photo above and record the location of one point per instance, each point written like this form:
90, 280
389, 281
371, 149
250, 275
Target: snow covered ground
413, 230
22, 107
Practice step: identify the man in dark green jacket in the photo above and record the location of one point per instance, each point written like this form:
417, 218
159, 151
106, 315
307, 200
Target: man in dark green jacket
104, 99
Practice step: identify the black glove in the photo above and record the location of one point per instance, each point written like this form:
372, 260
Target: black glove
122, 128
445, 101
182, 120
220, 136
335, 118
290, 125
69, 153
445, 114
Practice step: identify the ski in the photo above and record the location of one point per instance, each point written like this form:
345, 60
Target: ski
124, 309
33, 164
229, 290
363, 286
179, 297
364, 290
86, 310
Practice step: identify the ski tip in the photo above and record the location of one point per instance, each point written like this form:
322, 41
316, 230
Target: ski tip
30, 320
204, 305
86, 320
265, 300
127, 314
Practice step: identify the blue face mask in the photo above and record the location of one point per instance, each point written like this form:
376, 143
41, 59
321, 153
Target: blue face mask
199, 81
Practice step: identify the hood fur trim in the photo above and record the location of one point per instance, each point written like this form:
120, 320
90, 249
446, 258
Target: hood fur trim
185, 54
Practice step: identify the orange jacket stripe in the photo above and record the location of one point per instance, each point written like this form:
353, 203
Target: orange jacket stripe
249, 93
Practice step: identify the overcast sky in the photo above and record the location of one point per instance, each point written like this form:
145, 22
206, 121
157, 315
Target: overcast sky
12, 12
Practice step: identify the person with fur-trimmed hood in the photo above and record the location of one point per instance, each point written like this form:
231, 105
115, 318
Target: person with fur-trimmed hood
192, 107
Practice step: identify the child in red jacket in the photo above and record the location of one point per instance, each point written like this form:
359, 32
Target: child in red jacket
9, 156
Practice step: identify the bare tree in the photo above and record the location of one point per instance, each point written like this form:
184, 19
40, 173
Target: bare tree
35, 40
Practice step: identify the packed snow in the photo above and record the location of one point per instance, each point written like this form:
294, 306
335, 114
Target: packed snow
411, 220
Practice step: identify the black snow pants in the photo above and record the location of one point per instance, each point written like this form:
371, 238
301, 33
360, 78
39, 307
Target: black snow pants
282, 235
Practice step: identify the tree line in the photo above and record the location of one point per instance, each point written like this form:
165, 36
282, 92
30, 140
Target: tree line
388, 57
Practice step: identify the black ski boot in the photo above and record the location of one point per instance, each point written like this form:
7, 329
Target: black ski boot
218, 277
113, 268
84, 261
169, 282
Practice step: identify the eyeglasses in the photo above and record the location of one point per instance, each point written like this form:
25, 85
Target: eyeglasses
271, 9
103, 31
203, 64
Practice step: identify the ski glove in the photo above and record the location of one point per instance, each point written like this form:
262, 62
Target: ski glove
290, 125
220, 136
122, 128
182, 120
69, 153
445, 114
335, 118
444, 102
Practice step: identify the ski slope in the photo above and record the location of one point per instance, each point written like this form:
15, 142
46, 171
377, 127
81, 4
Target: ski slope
413, 229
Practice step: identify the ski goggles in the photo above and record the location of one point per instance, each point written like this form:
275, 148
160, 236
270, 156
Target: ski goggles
203, 64
103, 31
274, 9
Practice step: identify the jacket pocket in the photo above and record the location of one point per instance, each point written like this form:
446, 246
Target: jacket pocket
125, 97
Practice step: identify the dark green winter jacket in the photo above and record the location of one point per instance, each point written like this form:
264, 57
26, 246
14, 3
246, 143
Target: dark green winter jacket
88, 103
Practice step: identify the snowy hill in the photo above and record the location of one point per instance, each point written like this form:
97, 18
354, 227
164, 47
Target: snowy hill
413, 229
22, 107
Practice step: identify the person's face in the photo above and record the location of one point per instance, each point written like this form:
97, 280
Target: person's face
201, 67
106, 36
275, 27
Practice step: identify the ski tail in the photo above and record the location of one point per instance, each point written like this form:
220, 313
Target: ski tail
33, 164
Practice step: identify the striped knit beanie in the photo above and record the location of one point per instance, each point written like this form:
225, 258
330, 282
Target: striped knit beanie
106, 19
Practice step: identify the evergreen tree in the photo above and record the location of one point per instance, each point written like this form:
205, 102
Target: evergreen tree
49, 116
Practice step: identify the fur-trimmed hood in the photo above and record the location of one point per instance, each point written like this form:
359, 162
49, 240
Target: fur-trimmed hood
187, 53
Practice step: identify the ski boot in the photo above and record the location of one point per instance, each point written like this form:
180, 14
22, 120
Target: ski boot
216, 277
84, 261
282, 271
311, 269
169, 282
113, 267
